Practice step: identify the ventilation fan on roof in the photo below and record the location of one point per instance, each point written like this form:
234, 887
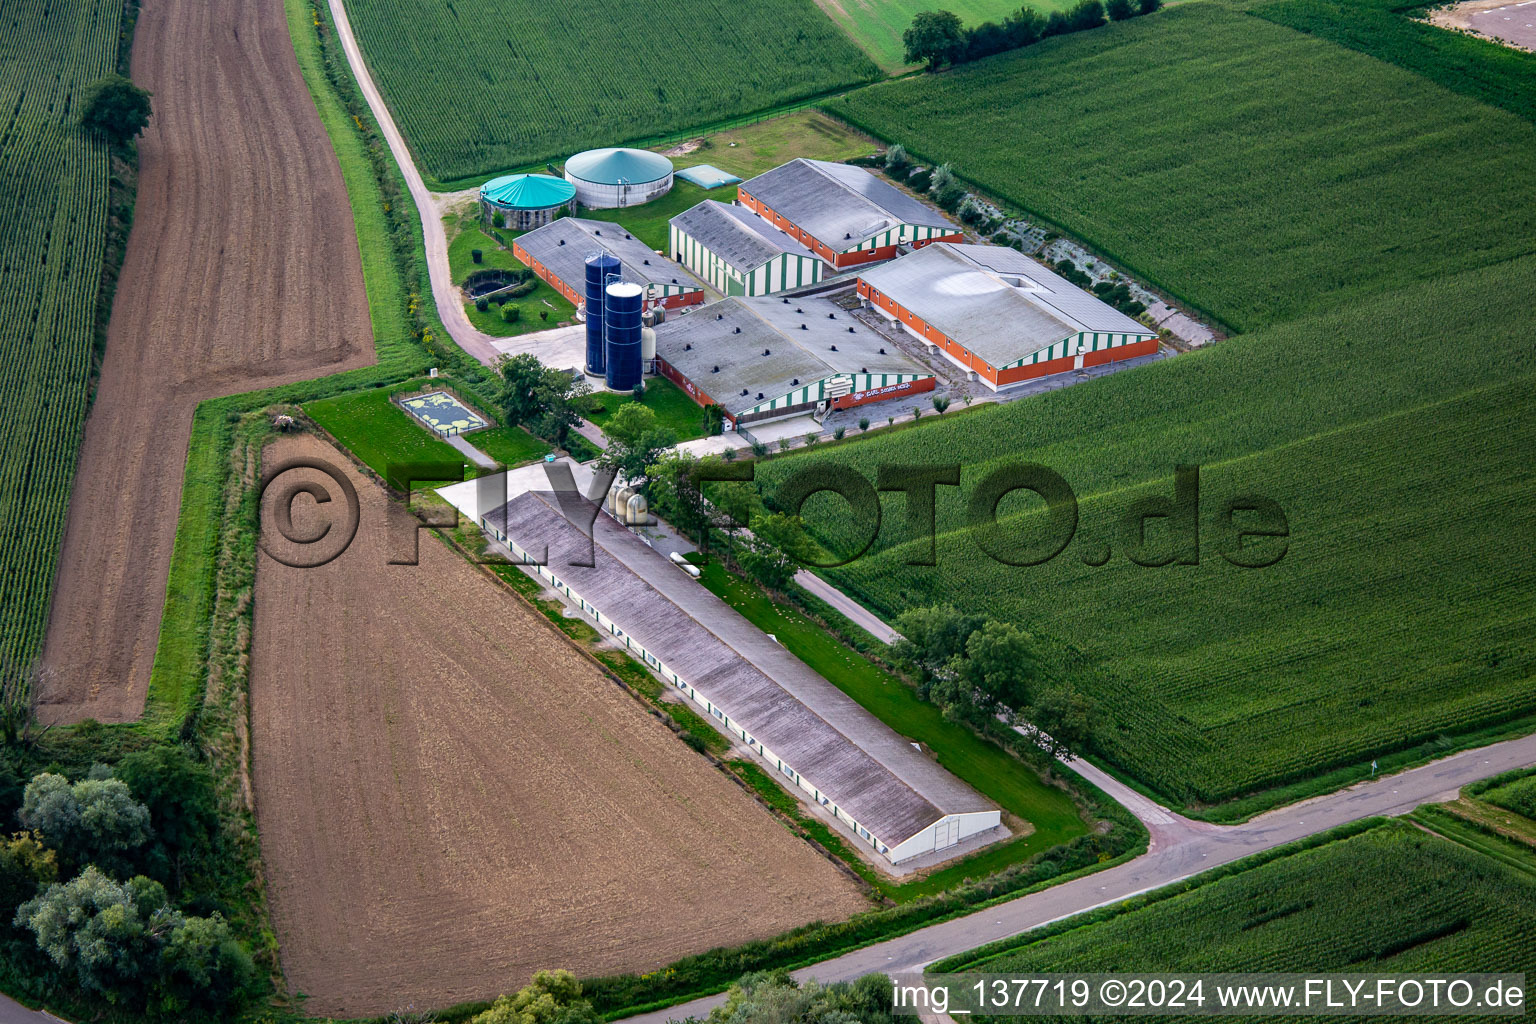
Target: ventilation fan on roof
562, 241
736, 331
688, 347
759, 396
847, 234
786, 302
628, 235
831, 316
674, 280
795, 383
804, 328
882, 351
719, 316
850, 330
766, 352
799, 310
743, 392
834, 348
715, 370
863, 369
646, 262
597, 231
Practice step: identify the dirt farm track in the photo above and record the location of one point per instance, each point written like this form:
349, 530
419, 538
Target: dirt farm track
242, 272
451, 797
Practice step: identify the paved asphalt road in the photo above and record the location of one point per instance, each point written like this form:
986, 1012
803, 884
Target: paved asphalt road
1179, 848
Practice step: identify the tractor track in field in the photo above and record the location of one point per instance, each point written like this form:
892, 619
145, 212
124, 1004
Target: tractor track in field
242, 272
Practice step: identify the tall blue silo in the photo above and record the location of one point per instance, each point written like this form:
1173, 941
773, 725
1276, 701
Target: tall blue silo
599, 266
621, 312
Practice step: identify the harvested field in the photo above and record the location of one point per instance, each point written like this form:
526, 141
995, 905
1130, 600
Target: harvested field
451, 797
242, 272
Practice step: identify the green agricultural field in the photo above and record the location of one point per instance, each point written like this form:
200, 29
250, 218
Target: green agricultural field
672, 406
1404, 607
1518, 795
1389, 900
877, 25
481, 85
1253, 171
1464, 63
378, 432
53, 233
992, 771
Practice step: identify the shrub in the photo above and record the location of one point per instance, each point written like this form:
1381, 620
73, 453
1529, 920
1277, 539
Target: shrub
497, 220
943, 177
1119, 10
970, 211
511, 312
1148, 6
115, 107
896, 159
863, 424
837, 435
482, 304
759, 449
918, 181
940, 403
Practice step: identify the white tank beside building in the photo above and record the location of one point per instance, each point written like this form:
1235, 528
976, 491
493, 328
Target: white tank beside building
609, 178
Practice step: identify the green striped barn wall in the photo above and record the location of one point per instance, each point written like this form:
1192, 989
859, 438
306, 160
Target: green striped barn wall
787, 270
904, 234
816, 391
1068, 346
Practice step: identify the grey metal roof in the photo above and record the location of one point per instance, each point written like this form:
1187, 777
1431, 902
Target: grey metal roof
864, 767
839, 204
738, 236
707, 337
582, 237
995, 301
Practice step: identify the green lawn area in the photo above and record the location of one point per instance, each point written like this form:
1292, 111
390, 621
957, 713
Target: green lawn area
510, 446
672, 406
877, 27
377, 431
990, 769
747, 152
466, 234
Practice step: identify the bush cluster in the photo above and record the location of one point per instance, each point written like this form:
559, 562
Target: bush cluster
938, 37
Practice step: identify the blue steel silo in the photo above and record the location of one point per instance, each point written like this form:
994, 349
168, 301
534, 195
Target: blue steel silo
600, 265
621, 313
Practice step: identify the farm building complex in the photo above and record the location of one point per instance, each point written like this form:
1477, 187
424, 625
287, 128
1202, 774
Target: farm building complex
843, 214
739, 253
525, 201
899, 803
609, 178
1001, 315
762, 358
558, 253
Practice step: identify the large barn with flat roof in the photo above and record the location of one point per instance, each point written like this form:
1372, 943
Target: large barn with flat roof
842, 213
763, 358
819, 741
739, 253
1001, 315
558, 253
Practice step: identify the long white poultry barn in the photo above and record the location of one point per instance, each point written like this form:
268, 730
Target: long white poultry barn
822, 743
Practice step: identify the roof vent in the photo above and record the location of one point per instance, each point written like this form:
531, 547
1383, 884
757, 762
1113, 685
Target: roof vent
882, 351
674, 280
646, 262
766, 352
863, 369
786, 302
736, 331
628, 235
743, 392
562, 241
851, 330
795, 383
688, 347
759, 396
597, 231
804, 328
719, 316
847, 234
799, 310
834, 348
831, 316
715, 370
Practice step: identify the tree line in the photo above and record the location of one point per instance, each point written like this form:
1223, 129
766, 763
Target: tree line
938, 38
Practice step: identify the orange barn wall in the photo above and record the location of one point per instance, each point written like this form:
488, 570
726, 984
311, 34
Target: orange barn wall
576, 298
1013, 375
915, 387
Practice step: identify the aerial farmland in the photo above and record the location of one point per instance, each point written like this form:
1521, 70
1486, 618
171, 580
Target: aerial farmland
730, 513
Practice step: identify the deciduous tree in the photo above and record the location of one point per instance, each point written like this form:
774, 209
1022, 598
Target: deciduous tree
934, 37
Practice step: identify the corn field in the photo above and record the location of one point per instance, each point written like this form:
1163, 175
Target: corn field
1255, 172
1387, 900
1404, 607
53, 223
483, 85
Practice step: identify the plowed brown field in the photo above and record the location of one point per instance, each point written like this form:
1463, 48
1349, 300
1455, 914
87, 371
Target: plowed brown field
242, 272
451, 797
